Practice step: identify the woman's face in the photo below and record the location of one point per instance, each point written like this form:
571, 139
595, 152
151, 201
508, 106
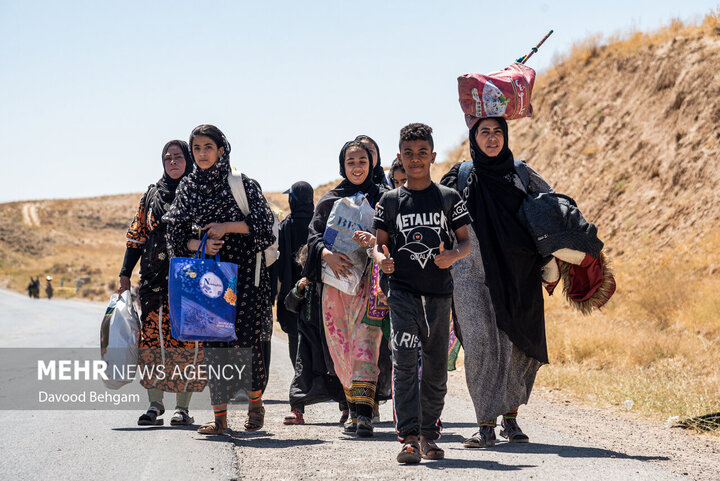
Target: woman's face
489, 137
174, 162
371, 147
357, 165
205, 151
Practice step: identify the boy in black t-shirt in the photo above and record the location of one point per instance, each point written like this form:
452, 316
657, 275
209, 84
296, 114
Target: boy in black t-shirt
415, 226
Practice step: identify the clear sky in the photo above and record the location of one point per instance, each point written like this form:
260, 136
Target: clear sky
91, 90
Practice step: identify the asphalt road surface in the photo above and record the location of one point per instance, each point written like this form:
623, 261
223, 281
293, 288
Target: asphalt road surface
101, 445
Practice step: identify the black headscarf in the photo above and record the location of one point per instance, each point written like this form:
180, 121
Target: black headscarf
213, 178
292, 236
167, 186
512, 264
372, 193
378, 174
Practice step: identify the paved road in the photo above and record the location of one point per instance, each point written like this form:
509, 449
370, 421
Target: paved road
102, 445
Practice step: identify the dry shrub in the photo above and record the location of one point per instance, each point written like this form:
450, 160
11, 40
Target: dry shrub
657, 342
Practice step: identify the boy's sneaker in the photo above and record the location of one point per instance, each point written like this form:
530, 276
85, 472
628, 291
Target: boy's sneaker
351, 424
484, 438
376, 413
512, 432
364, 427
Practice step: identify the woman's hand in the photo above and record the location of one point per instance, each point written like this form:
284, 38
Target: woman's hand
124, 285
216, 230
363, 238
339, 263
212, 246
302, 284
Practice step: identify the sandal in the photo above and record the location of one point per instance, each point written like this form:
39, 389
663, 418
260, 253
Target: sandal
295, 417
410, 454
255, 419
181, 417
430, 450
212, 428
344, 416
364, 427
484, 438
512, 432
150, 418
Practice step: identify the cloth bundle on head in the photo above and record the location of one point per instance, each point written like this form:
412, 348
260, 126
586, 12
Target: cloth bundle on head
503, 94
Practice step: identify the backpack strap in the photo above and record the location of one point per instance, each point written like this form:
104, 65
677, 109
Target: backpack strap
463, 174
522, 171
392, 207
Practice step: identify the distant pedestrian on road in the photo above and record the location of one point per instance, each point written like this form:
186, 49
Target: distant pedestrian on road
205, 202
417, 225
49, 288
146, 244
498, 288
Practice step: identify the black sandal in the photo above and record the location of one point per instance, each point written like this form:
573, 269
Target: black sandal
150, 418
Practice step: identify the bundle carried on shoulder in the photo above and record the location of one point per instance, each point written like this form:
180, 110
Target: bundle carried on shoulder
349, 214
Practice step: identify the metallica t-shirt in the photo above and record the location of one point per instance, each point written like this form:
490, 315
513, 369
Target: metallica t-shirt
423, 219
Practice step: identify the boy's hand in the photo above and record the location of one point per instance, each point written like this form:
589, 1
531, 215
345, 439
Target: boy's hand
445, 259
365, 239
388, 264
302, 284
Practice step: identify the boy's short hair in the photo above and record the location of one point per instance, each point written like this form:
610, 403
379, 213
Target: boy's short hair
416, 131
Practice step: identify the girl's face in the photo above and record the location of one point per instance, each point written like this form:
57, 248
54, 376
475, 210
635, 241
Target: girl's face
399, 178
205, 151
371, 147
357, 165
489, 137
174, 162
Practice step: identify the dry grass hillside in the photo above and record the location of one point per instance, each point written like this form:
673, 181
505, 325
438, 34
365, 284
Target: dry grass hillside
629, 128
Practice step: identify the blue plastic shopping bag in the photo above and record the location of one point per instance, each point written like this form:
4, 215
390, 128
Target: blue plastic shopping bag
202, 296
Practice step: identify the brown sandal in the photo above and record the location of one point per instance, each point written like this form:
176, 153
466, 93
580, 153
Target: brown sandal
430, 450
255, 419
212, 428
409, 454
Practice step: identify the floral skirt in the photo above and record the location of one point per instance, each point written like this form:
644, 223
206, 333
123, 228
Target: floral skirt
354, 345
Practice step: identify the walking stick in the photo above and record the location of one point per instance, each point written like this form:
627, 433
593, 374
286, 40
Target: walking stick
534, 49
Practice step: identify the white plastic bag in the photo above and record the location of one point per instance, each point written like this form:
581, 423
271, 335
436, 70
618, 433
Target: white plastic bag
349, 285
348, 215
119, 340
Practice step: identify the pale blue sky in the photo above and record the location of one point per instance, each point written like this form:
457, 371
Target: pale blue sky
91, 90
